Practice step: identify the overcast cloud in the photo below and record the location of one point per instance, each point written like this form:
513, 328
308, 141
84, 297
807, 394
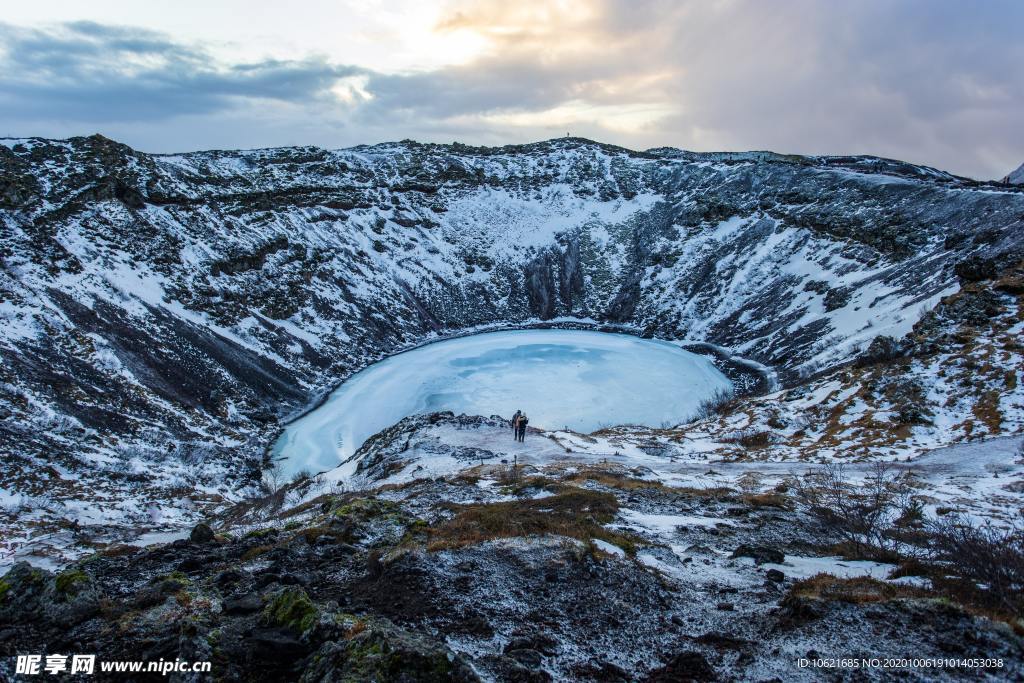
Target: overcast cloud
934, 82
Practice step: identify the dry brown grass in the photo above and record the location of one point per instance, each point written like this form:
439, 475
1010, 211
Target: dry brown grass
1011, 284
401, 486
613, 479
119, 550
986, 410
518, 486
254, 552
313, 504
358, 627
855, 552
753, 440
311, 534
767, 500
469, 477
911, 567
856, 591
575, 513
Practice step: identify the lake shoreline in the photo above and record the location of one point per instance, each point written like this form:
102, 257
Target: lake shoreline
744, 377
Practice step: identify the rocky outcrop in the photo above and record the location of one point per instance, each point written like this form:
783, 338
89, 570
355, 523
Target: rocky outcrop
29, 595
539, 281
380, 651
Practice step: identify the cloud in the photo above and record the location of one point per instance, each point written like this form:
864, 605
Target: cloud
88, 73
931, 81
926, 81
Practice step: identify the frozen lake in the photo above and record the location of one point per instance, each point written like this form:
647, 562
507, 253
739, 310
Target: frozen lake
559, 378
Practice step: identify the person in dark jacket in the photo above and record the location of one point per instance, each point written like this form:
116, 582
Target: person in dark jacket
523, 421
515, 424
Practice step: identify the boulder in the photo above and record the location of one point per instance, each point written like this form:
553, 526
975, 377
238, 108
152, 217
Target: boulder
201, 533
384, 652
761, 554
22, 589
882, 349
290, 608
74, 598
975, 268
243, 604
228, 577
527, 657
28, 594
275, 644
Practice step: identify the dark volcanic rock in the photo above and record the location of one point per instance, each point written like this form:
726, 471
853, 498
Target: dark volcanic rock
881, 350
396, 606
243, 604
976, 268
685, 666
168, 311
28, 595
760, 554
202, 533
383, 652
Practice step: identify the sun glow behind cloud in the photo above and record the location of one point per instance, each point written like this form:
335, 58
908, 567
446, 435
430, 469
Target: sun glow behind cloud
921, 80
626, 118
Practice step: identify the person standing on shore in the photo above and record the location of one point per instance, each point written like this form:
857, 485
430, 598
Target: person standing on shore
515, 424
521, 432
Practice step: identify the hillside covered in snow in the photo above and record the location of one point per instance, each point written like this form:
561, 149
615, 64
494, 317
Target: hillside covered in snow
1015, 177
164, 317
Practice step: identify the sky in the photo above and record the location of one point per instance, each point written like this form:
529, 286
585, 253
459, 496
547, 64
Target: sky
929, 81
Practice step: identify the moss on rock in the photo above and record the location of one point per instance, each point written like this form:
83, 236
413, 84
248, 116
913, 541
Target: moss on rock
380, 651
291, 608
68, 582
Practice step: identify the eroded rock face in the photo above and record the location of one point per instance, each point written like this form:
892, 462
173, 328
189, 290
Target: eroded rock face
760, 554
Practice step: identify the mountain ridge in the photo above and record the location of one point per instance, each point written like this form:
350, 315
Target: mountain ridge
868, 162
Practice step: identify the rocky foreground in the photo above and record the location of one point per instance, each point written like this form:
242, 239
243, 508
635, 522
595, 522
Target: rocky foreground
583, 571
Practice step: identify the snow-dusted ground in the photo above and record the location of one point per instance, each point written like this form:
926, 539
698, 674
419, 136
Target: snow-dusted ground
575, 379
980, 478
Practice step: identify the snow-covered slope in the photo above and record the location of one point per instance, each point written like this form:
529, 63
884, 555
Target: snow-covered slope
162, 314
1016, 177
